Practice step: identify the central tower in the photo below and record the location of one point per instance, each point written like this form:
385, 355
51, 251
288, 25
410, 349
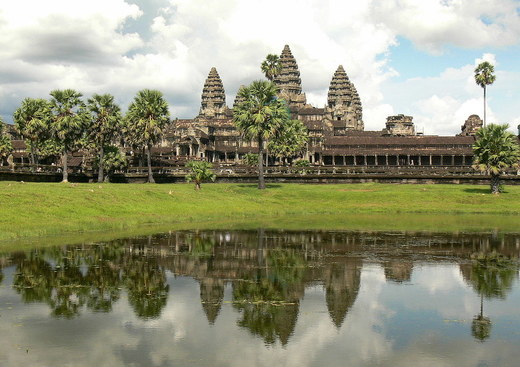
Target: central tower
289, 82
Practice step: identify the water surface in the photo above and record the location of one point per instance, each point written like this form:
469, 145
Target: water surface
265, 298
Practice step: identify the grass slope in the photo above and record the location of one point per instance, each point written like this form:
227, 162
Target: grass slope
38, 209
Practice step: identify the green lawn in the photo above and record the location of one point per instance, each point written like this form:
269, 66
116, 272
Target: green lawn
46, 209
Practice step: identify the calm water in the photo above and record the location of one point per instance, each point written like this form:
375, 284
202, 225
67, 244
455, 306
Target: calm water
265, 298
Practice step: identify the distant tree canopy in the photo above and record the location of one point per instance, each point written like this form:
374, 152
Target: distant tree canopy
5, 142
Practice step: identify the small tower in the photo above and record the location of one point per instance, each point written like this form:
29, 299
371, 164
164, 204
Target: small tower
399, 125
343, 102
289, 80
471, 125
213, 97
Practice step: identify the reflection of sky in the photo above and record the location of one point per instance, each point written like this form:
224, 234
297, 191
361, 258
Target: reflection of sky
426, 321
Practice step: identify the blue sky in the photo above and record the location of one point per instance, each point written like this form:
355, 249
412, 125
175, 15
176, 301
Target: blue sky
404, 56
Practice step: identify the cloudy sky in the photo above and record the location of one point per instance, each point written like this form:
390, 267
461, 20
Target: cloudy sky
404, 56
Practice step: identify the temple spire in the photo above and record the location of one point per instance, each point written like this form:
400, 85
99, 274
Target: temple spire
213, 96
288, 80
343, 102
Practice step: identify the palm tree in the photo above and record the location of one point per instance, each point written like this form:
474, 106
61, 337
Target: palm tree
259, 116
271, 66
146, 119
32, 120
495, 150
484, 76
69, 118
200, 171
106, 119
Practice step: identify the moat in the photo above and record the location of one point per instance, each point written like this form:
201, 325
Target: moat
265, 298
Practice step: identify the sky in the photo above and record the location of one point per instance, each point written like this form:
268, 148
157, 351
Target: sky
404, 56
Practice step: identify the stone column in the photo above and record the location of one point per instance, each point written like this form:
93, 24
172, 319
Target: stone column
452, 159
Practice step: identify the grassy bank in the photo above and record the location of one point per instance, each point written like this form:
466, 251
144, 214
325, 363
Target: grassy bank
42, 209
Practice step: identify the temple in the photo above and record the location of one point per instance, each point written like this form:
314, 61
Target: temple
336, 131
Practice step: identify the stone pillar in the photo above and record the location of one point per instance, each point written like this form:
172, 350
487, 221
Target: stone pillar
430, 159
365, 159
344, 160
408, 159
386, 159
452, 159
375, 159
177, 150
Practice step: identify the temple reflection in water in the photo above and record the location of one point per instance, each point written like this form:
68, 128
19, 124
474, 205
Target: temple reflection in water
265, 272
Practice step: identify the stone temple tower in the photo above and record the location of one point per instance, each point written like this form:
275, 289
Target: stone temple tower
289, 80
343, 103
213, 97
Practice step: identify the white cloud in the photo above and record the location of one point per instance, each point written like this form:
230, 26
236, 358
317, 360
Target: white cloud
433, 24
84, 45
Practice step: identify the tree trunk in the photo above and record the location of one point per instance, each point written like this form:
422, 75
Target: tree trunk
149, 158
484, 106
100, 170
197, 185
495, 184
65, 166
32, 156
261, 181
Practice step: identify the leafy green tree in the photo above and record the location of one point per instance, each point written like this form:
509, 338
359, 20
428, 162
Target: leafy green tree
146, 119
32, 120
271, 66
260, 116
106, 121
69, 119
113, 159
495, 150
483, 77
6, 146
200, 171
289, 141
251, 159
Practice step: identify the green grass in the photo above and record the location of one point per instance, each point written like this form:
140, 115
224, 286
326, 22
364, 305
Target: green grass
50, 209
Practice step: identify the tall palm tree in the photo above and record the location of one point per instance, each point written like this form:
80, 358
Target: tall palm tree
146, 119
495, 150
271, 66
106, 120
484, 76
32, 120
259, 116
69, 118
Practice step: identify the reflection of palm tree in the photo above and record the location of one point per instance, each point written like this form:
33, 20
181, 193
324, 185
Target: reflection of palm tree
269, 299
147, 288
481, 325
491, 276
